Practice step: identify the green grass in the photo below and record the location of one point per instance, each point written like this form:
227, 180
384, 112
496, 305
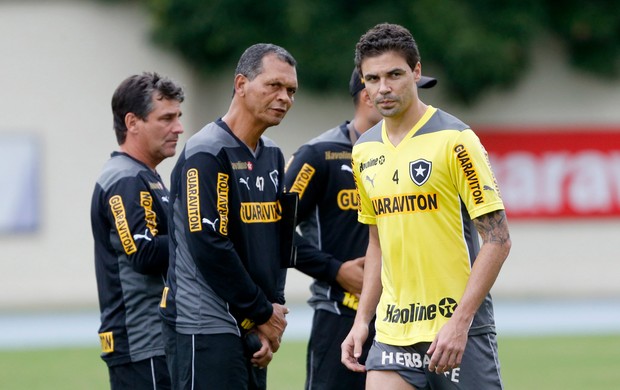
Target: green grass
566, 362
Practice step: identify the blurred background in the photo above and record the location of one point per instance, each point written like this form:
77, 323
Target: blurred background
538, 84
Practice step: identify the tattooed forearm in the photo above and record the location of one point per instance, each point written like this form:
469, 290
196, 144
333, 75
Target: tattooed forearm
493, 227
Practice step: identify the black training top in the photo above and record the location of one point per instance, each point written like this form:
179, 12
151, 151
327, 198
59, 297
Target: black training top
225, 255
320, 171
129, 225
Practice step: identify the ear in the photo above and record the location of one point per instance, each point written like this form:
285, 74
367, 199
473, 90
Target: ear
365, 98
131, 121
240, 84
417, 72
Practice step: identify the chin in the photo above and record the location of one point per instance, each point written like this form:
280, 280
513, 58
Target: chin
274, 122
170, 152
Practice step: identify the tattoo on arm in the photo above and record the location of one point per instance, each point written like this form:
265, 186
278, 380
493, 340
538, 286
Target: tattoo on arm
493, 227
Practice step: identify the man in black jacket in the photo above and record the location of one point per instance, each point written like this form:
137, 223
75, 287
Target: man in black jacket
225, 283
129, 224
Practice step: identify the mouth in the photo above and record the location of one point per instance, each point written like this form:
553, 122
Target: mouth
384, 103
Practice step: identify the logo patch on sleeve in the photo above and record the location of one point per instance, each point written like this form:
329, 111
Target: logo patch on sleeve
146, 201
303, 179
247, 324
122, 227
164, 297
222, 201
107, 342
193, 201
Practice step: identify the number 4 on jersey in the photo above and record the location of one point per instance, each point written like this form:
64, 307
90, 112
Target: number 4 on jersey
395, 177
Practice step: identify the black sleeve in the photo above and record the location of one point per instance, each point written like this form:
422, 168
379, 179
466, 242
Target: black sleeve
306, 174
314, 262
205, 178
129, 204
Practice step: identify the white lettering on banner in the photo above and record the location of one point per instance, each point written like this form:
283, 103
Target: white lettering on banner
554, 183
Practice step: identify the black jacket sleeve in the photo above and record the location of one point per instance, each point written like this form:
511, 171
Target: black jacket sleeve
149, 252
305, 175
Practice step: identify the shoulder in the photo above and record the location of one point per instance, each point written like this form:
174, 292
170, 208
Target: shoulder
371, 135
270, 144
117, 168
328, 140
441, 120
211, 139
335, 135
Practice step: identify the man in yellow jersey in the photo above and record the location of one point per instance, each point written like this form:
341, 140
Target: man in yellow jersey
426, 191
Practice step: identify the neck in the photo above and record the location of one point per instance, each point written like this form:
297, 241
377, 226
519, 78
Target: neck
244, 128
139, 155
398, 127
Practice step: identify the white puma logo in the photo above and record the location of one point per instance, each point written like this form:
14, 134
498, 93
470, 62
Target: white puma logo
346, 168
204, 220
245, 181
145, 235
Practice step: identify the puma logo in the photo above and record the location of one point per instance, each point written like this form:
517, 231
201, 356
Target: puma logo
346, 168
372, 181
245, 181
145, 235
204, 220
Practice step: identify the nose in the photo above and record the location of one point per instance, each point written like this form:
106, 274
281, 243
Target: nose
178, 127
285, 96
383, 86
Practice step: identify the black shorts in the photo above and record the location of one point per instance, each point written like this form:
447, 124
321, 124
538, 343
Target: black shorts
218, 361
324, 370
147, 374
479, 368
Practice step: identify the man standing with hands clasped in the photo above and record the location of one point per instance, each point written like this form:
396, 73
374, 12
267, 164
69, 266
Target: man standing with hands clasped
225, 283
426, 191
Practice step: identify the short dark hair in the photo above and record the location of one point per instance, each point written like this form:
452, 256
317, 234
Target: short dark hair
251, 61
135, 94
387, 37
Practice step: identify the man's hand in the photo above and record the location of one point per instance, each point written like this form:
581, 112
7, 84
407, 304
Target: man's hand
351, 347
446, 351
351, 275
273, 329
263, 356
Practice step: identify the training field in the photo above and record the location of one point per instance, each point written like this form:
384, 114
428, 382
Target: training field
532, 362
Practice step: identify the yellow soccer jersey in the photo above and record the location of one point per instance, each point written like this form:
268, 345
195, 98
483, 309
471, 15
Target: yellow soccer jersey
423, 195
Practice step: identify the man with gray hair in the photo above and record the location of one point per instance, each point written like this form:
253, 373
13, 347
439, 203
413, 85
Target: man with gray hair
225, 284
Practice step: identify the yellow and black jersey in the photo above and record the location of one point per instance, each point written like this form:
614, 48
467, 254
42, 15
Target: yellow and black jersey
423, 195
130, 231
225, 256
320, 172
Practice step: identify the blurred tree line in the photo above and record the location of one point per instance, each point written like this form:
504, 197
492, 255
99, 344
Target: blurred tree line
473, 45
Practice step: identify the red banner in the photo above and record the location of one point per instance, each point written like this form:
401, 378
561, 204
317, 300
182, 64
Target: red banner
556, 172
